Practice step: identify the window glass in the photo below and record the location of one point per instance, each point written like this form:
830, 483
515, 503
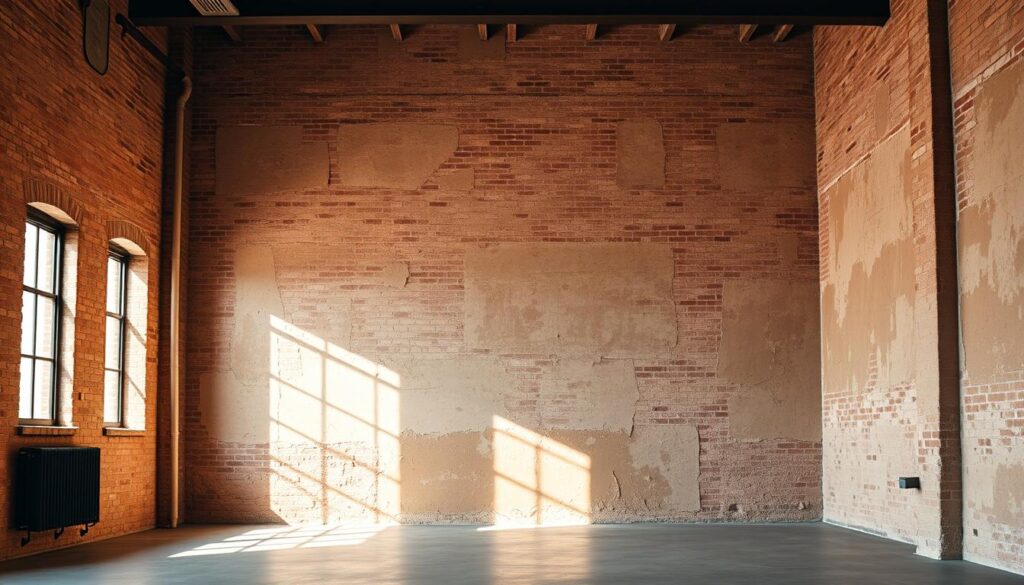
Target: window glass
25, 398
40, 321
111, 394
46, 261
45, 316
113, 361
113, 285
113, 344
43, 392
31, 236
28, 318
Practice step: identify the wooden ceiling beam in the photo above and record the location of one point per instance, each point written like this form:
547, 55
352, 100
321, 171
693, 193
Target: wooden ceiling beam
510, 33
396, 31
316, 31
301, 12
481, 31
591, 32
747, 31
665, 31
781, 32
233, 33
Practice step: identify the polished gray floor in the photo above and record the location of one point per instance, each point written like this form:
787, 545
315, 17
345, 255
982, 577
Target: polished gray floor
612, 554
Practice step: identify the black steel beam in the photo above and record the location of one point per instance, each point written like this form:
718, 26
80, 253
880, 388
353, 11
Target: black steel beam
300, 12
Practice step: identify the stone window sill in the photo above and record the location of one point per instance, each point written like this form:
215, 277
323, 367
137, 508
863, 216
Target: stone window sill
123, 432
46, 431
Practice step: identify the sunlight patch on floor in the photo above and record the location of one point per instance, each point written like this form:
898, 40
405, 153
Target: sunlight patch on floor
286, 538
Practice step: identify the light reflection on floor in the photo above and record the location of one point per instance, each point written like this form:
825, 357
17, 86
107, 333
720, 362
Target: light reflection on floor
602, 554
285, 538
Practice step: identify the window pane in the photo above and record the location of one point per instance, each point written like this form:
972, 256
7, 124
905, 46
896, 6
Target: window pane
113, 285
28, 319
25, 400
42, 398
111, 397
47, 251
113, 345
31, 233
44, 327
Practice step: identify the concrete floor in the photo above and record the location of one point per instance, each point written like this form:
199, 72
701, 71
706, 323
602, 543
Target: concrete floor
613, 554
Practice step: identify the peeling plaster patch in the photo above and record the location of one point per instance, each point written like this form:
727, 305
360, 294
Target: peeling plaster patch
267, 159
871, 267
234, 403
509, 473
674, 452
754, 156
612, 300
257, 298
447, 477
455, 394
395, 275
770, 349
395, 155
458, 180
992, 233
471, 48
641, 154
602, 395
1008, 494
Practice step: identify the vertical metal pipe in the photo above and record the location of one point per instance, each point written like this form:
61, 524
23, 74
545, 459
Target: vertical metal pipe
175, 321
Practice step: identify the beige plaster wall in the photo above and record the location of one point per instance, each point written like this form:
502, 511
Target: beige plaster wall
991, 229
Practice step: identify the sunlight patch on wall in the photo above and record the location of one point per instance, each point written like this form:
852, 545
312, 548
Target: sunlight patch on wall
537, 480
334, 430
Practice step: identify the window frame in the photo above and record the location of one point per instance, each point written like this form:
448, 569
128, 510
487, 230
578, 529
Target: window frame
44, 222
123, 258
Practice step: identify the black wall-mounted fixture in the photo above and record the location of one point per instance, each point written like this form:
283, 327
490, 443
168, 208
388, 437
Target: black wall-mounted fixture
910, 483
56, 487
96, 33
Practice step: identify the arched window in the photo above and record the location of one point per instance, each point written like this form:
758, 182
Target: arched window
41, 307
127, 303
49, 293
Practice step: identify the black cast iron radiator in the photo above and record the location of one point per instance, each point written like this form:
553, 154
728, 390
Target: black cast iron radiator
57, 487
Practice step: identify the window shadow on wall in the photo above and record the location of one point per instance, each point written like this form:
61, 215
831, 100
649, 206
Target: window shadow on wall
334, 431
335, 447
538, 481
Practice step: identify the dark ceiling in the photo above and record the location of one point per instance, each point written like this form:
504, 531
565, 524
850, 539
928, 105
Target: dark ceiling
270, 12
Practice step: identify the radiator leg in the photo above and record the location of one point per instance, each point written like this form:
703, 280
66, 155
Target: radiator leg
84, 529
57, 533
27, 538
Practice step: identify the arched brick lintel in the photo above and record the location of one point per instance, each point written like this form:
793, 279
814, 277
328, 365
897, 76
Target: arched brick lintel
51, 196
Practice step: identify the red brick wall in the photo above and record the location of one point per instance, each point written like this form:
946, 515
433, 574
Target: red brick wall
872, 85
538, 129
988, 42
98, 139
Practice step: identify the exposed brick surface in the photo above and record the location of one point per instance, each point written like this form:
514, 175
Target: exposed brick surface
538, 129
870, 84
986, 38
92, 144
